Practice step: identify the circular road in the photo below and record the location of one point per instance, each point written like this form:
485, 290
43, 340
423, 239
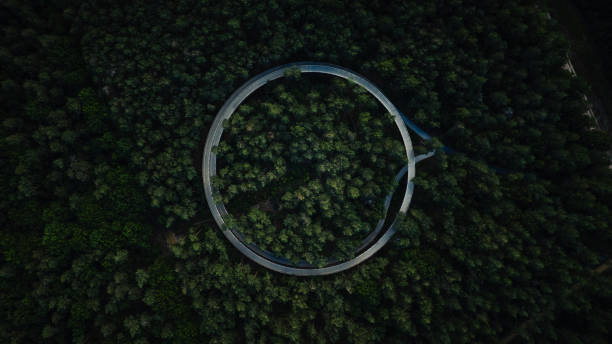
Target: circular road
372, 243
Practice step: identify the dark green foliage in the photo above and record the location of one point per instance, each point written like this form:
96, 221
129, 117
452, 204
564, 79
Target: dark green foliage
93, 173
584, 317
304, 167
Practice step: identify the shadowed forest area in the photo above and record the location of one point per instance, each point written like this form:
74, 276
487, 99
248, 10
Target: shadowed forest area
588, 25
106, 236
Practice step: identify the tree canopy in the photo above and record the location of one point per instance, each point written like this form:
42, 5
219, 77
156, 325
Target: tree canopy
106, 237
305, 164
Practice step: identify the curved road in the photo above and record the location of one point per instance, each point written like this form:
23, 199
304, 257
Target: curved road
214, 136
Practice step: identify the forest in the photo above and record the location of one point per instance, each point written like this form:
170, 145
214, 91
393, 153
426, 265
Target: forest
306, 166
106, 236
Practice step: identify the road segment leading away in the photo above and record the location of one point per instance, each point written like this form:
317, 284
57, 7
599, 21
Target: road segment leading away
209, 168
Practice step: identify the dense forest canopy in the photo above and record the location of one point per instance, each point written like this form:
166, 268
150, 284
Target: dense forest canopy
305, 164
106, 237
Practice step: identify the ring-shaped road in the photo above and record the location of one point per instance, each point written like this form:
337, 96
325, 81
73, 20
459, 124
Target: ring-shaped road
218, 208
